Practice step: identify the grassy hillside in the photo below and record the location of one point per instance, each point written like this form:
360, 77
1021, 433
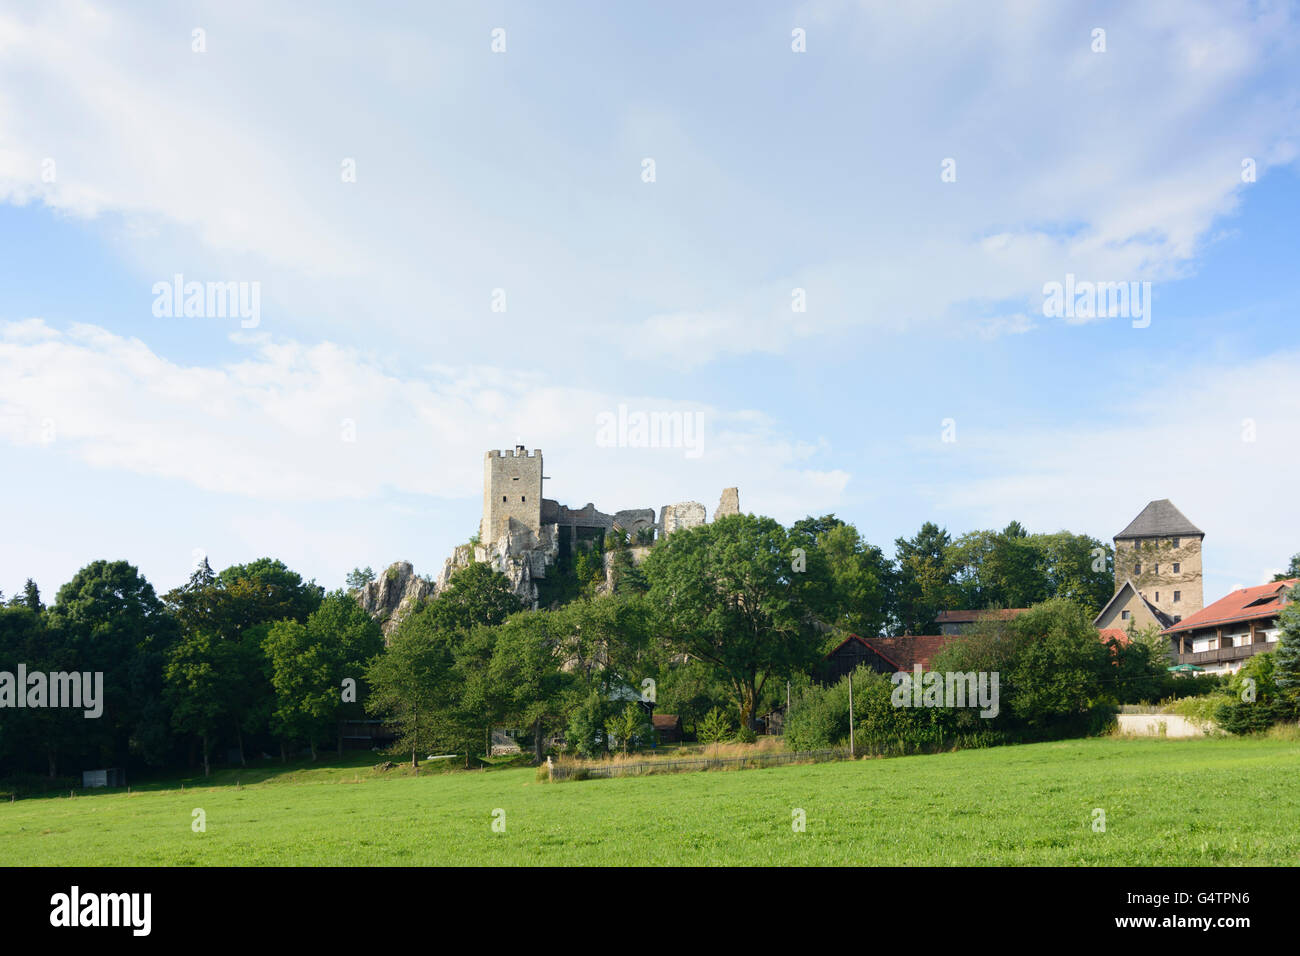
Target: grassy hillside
1197, 802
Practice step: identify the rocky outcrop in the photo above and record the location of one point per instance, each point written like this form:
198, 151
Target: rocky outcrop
518, 553
636, 552
394, 595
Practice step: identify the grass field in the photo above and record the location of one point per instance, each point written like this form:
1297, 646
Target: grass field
1168, 802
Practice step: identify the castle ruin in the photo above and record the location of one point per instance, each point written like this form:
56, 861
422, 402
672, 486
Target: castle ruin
522, 532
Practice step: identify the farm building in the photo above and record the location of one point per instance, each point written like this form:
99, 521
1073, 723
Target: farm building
885, 655
668, 727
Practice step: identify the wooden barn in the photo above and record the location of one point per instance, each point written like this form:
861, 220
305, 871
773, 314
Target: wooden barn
668, 727
885, 655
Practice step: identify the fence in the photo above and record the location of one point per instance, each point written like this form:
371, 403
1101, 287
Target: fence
688, 764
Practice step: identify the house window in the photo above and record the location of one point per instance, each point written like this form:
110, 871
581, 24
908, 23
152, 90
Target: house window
1177, 567
1176, 540
1177, 618
1178, 596
1123, 615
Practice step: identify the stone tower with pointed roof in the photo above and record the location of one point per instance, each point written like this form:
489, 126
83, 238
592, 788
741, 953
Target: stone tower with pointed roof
1157, 569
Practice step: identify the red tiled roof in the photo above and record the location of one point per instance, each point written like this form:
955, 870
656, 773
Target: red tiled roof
665, 721
967, 617
863, 641
1113, 634
1239, 606
905, 652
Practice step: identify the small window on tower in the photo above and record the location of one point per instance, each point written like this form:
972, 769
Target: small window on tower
503, 497
1157, 595
1155, 569
1137, 568
523, 498
1177, 566
1178, 596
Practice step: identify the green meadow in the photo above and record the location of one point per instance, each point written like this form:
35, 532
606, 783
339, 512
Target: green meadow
1214, 802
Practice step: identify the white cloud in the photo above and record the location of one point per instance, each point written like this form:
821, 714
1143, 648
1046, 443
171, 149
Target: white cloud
1115, 168
1180, 437
295, 422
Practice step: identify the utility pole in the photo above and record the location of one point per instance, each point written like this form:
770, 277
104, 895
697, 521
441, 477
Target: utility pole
852, 748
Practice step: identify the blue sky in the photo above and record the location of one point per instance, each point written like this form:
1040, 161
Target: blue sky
125, 434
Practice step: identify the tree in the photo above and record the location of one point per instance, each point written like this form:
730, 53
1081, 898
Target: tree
715, 727
1292, 570
1255, 700
1060, 666
112, 621
199, 679
360, 577
525, 671
726, 593
32, 736
860, 580
476, 594
302, 675
585, 733
1287, 657
1079, 567
30, 598
309, 663
630, 727
238, 607
264, 591
925, 579
413, 685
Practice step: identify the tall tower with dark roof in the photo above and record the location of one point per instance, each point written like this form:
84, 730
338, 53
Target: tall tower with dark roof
1160, 553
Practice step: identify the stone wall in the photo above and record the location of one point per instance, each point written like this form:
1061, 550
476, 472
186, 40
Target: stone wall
728, 504
1157, 579
684, 514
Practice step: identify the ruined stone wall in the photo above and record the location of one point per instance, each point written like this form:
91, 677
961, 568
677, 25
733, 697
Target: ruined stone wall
728, 504
684, 514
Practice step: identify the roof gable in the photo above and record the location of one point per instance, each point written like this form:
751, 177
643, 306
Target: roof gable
1243, 604
1160, 519
1161, 618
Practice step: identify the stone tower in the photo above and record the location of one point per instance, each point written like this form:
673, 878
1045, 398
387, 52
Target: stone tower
1160, 552
512, 488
